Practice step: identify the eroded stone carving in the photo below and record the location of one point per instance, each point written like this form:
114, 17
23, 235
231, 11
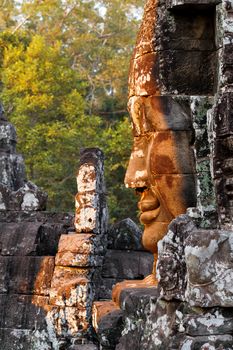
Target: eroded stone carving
161, 166
16, 193
208, 256
171, 266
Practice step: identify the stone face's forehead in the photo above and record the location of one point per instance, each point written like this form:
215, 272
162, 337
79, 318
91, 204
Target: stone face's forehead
158, 113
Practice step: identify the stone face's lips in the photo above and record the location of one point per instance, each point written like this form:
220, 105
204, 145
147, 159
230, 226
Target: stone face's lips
149, 216
149, 207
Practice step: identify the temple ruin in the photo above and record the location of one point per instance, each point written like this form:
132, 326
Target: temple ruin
71, 281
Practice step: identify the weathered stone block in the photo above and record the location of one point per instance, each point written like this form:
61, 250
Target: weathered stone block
43, 217
79, 250
143, 79
26, 275
63, 273
125, 235
146, 261
91, 212
89, 346
218, 342
209, 323
165, 151
26, 198
78, 260
209, 268
206, 218
227, 60
70, 287
12, 174
105, 287
90, 175
8, 137
222, 114
172, 4
171, 266
19, 238
151, 326
68, 321
80, 244
107, 321
24, 339
22, 312
49, 235
133, 301
126, 264
174, 65
151, 76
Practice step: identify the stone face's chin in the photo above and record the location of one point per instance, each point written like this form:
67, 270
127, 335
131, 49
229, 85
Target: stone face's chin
153, 232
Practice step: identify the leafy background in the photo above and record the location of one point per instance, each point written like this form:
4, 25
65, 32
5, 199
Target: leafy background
63, 82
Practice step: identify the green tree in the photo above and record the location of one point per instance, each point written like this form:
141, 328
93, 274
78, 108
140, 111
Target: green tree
64, 86
47, 107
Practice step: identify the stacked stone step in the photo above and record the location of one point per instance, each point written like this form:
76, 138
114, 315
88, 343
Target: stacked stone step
80, 253
27, 255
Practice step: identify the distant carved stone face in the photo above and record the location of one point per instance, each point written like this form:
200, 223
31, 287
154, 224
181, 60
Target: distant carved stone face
161, 163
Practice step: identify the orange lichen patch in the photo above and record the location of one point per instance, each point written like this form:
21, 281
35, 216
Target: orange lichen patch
72, 293
63, 273
42, 302
42, 283
76, 243
72, 259
148, 282
44, 276
101, 309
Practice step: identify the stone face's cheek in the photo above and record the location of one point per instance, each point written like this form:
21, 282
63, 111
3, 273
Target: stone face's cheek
162, 155
171, 153
177, 192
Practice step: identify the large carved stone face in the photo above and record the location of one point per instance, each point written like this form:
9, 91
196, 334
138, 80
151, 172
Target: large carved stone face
161, 163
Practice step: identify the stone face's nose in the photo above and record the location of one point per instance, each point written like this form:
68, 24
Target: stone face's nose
136, 175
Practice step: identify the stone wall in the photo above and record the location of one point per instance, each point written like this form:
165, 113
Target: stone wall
54, 265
